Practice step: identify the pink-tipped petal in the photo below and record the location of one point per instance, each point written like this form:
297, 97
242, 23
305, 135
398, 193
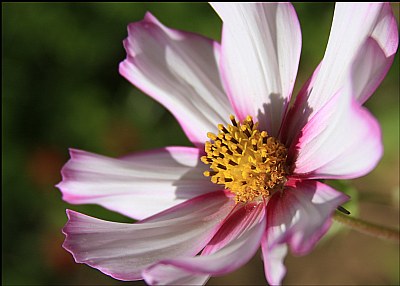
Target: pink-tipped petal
353, 24
360, 51
343, 140
300, 215
171, 275
368, 70
123, 250
273, 257
137, 186
179, 70
226, 259
242, 218
261, 44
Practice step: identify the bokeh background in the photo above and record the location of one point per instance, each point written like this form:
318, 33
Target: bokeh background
61, 89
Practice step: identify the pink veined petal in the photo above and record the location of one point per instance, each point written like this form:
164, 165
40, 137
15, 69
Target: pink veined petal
236, 253
343, 140
179, 70
171, 275
273, 257
123, 250
301, 214
298, 216
242, 218
260, 52
137, 186
349, 50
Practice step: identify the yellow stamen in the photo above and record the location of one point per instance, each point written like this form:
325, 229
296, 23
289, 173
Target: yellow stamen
246, 161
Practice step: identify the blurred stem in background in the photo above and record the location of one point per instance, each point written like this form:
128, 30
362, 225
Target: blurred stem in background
367, 227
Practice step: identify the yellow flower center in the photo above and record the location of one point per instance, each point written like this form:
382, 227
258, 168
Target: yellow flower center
246, 161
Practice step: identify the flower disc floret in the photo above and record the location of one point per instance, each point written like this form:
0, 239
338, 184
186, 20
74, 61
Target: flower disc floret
245, 160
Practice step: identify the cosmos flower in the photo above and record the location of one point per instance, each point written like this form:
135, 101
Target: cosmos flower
252, 178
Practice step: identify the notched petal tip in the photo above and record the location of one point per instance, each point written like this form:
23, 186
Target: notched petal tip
227, 259
68, 231
137, 185
180, 231
181, 71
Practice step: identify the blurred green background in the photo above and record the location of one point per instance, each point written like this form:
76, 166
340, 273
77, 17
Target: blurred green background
61, 89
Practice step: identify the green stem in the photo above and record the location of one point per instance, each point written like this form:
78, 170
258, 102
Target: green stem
367, 227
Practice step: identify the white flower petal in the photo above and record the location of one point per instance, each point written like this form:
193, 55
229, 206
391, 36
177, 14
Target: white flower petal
123, 250
368, 70
170, 275
273, 257
139, 185
298, 216
261, 44
343, 140
180, 70
236, 253
353, 24
301, 214
349, 59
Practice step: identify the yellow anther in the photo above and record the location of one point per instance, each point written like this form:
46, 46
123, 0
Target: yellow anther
249, 119
211, 136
